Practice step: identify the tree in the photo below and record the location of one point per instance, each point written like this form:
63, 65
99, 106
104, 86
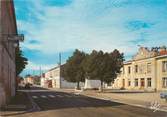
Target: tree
20, 60
73, 70
89, 64
114, 64
103, 66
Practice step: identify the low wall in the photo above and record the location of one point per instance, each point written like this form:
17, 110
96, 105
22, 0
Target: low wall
90, 84
70, 85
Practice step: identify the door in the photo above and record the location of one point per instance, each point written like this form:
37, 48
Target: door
142, 83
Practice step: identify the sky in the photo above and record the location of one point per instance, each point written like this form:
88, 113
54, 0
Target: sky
61, 26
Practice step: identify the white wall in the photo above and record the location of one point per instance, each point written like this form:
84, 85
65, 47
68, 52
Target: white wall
70, 85
89, 84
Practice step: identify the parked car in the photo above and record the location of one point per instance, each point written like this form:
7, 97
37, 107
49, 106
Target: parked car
163, 95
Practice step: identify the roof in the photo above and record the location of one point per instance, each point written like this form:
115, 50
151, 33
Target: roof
161, 56
144, 54
55, 67
156, 57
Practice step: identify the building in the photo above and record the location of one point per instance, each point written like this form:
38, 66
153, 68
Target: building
29, 79
8, 34
146, 71
53, 79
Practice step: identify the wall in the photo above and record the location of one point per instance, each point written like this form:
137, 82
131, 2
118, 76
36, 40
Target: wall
160, 74
90, 84
156, 74
7, 51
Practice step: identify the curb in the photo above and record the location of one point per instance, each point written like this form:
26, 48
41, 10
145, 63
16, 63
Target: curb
137, 105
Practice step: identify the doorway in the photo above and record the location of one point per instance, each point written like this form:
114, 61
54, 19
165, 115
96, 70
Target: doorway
142, 82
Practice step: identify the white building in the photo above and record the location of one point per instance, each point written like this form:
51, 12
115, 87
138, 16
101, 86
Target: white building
53, 79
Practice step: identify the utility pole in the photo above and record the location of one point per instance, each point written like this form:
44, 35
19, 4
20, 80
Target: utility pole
40, 70
60, 68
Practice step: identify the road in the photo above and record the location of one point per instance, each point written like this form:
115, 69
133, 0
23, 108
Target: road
62, 104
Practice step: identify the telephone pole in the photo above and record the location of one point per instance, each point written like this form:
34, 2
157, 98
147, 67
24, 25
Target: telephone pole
60, 68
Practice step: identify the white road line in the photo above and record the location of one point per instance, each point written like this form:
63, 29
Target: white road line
43, 96
34, 97
52, 96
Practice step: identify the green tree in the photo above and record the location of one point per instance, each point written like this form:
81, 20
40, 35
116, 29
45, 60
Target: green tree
20, 60
73, 70
89, 65
103, 66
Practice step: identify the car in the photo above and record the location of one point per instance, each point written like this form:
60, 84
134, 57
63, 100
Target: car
163, 95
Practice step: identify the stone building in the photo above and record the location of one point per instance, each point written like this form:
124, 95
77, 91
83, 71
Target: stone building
146, 71
8, 30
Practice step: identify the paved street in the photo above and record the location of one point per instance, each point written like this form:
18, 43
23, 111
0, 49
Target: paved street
141, 99
61, 104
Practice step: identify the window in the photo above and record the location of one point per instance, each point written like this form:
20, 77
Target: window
148, 82
136, 68
164, 66
148, 67
129, 69
164, 82
142, 82
136, 82
129, 82
141, 69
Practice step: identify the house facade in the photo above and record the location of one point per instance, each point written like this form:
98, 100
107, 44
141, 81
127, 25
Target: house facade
53, 79
29, 79
7, 51
146, 71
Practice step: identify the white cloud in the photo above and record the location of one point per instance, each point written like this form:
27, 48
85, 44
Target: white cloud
34, 66
87, 25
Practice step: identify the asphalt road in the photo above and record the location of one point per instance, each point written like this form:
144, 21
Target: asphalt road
61, 104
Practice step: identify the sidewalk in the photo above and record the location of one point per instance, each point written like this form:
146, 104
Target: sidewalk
136, 99
19, 104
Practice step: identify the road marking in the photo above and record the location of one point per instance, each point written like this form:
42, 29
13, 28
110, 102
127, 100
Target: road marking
34, 97
43, 96
52, 96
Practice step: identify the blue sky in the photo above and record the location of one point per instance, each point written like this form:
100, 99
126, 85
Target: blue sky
53, 26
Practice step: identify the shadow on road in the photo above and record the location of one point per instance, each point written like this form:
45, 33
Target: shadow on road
68, 100
63, 102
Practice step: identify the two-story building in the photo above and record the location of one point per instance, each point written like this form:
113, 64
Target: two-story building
53, 79
146, 71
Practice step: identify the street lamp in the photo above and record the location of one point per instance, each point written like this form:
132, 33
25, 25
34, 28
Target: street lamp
16, 37
13, 38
